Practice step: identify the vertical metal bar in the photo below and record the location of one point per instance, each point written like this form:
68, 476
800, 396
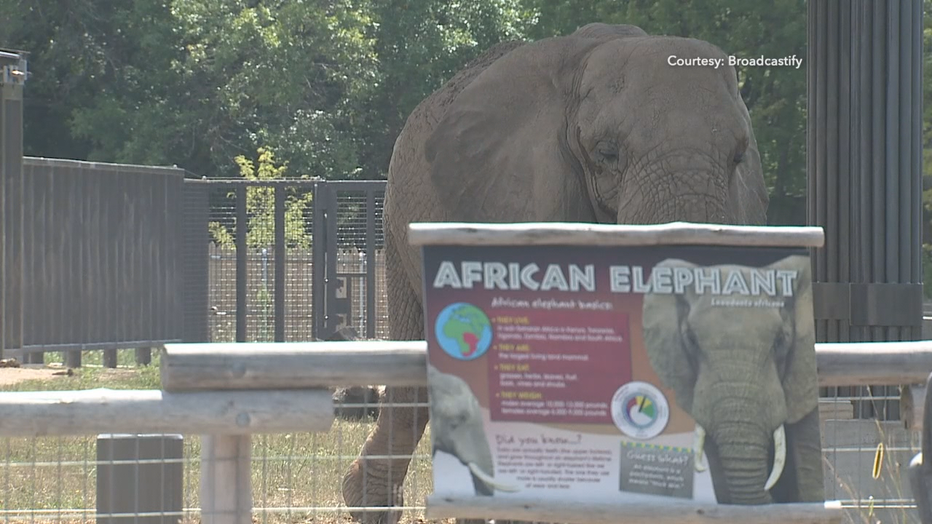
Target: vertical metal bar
195, 270
863, 255
830, 164
333, 250
820, 151
70, 192
12, 171
5, 152
280, 254
40, 241
878, 150
125, 258
29, 271
370, 263
318, 258
916, 275
149, 256
97, 281
853, 171
241, 246
842, 173
52, 255
905, 144
812, 74
116, 269
892, 248
103, 180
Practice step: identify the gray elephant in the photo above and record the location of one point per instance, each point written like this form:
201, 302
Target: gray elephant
748, 377
458, 429
590, 127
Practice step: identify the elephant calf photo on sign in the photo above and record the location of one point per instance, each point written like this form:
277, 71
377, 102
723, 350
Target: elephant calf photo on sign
747, 375
458, 430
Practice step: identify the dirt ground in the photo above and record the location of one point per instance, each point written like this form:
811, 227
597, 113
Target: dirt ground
10, 375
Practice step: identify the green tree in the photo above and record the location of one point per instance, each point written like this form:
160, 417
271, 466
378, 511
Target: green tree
260, 207
419, 45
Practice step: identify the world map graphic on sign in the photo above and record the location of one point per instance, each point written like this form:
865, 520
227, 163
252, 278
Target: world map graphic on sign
463, 331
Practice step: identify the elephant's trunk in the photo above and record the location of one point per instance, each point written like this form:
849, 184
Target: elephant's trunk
676, 189
744, 452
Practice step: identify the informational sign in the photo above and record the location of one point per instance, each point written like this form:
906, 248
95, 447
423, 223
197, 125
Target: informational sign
614, 373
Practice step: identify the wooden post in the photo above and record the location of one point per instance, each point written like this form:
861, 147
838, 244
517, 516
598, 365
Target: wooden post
226, 489
143, 356
912, 406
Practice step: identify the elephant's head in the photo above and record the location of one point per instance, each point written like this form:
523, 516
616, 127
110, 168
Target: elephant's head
746, 374
597, 126
457, 429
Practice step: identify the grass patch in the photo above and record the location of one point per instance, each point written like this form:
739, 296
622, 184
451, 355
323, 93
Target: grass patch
55, 478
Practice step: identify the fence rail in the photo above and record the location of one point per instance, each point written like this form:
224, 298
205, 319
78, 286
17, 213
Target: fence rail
253, 389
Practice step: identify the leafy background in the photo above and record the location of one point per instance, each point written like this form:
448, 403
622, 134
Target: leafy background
326, 86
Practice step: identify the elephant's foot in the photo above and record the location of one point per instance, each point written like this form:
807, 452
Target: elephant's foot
367, 485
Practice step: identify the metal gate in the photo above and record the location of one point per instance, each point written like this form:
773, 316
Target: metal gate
257, 267
348, 248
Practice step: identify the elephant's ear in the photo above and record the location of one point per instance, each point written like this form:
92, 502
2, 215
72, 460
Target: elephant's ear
801, 380
499, 143
664, 321
749, 192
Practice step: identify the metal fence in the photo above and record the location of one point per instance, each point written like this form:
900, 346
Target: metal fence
286, 260
98, 266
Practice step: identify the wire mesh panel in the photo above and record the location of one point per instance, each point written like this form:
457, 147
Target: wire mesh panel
257, 230
297, 477
865, 462
358, 252
67, 479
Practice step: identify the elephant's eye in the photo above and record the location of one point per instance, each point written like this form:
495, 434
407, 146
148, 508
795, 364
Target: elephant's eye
606, 152
781, 351
739, 156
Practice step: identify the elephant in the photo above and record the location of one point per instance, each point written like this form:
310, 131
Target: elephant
458, 429
363, 399
591, 127
747, 375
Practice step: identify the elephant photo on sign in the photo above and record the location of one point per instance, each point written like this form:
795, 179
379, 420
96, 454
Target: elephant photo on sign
747, 375
457, 429
592, 127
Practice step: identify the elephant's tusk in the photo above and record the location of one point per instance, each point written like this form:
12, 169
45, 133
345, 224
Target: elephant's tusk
779, 459
698, 446
490, 481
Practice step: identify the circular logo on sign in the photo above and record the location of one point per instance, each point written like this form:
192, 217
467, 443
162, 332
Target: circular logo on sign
640, 410
463, 331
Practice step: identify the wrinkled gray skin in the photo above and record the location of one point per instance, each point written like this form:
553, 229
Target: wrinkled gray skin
458, 429
742, 373
590, 127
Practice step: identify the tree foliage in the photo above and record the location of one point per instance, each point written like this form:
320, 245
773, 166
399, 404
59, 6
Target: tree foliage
260, 206
327, 86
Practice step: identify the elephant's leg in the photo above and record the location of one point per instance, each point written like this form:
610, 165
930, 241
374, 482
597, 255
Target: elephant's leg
378, 481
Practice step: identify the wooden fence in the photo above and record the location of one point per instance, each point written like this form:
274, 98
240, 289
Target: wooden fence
229, 392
